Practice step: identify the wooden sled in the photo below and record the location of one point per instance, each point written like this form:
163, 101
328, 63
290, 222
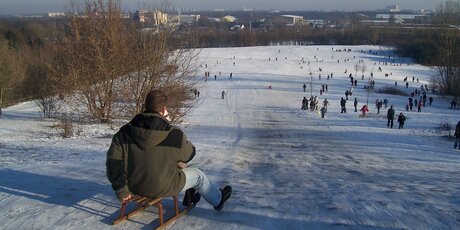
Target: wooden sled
145, 202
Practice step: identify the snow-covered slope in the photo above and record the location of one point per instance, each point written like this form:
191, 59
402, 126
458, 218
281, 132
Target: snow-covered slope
289, 168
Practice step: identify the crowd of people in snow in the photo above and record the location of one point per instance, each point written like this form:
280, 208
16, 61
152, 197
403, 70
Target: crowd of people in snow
418, 97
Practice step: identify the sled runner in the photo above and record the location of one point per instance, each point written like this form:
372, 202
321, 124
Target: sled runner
145, 202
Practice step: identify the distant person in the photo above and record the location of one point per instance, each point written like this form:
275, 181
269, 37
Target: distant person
457, 136
195, 92
312, 103
304, 103
355, 104
430, 100
304, 87
325, 102
323, 111
379, 106
315, 103
453, 104
343, 102
223, 95
364, 110
401, 120
390, 117
411, 103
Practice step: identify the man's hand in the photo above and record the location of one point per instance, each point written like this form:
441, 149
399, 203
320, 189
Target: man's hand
181, 165
127, 198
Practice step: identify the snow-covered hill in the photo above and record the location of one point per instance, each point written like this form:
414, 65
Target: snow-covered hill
289, 168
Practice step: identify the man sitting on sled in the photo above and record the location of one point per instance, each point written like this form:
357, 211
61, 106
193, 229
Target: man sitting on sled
148, 156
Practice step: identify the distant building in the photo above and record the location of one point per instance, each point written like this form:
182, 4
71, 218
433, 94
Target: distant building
159, 18
189, 19
237, 27
139, 16
173, 19
56, 15
214, 20
399, 16
228, 18
403, 18
393, 8
293, 20
375, 22
319, 23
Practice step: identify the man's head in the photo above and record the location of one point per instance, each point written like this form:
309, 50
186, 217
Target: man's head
155, 101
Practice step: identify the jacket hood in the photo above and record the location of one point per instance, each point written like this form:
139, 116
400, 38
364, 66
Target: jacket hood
148, 130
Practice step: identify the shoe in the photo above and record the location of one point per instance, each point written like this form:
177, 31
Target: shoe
226, 192
191, 197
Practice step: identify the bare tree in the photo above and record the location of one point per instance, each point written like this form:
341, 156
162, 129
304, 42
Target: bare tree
448, 45
94, 54
160, 61
113, 63
449, 12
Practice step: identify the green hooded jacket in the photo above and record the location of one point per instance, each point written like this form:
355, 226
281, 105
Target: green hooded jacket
143, 157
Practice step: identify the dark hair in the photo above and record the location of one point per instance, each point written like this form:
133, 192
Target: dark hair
155, 101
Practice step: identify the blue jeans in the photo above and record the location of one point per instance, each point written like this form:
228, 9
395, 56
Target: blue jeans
195, 178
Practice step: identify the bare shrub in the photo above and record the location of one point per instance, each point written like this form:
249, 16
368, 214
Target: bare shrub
49, 105
45, 88
448, 128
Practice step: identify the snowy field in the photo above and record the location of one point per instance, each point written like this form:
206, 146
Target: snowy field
289, 168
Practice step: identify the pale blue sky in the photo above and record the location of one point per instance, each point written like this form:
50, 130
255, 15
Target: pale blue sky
43, 6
